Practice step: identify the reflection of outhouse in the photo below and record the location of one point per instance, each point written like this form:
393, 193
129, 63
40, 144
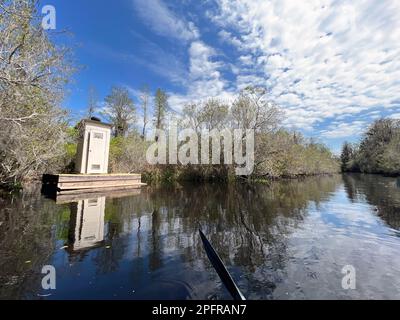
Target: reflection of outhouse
87, 223
93, 147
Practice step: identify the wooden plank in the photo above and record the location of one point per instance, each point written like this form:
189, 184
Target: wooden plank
68, 196
97, 185
107, 177
94, 184
97, 174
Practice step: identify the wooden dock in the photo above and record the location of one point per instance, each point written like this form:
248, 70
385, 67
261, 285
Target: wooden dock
72, 182
69, 196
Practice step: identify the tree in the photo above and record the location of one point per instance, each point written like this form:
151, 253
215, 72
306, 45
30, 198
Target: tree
120, 111
210, 114
192, 116
374, 144
252, 110
160, 108
92, 102
144, 103
214, 114
390, 161
33, 72
378, 151
346, 155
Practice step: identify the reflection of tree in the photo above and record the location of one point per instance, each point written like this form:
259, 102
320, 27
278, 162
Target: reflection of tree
27, 242
107, 259
246, 224
350, 187
119, 213
156, 249
378, 191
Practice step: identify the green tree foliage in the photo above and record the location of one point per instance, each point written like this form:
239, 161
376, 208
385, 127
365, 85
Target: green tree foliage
390, 159
378, 151
283, 153
346, 156
128, 154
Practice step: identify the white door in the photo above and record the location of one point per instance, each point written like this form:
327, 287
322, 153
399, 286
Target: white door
96, 152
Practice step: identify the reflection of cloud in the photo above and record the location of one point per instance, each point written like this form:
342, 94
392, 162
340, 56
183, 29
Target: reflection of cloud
335, 234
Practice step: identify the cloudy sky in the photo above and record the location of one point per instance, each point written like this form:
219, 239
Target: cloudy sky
333, 66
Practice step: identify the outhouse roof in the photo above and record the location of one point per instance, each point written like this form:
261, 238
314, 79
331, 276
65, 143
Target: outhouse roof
97, 123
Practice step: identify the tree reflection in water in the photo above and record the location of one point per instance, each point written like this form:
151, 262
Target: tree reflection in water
378, 191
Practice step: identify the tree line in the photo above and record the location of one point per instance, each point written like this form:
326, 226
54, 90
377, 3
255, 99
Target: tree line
278, 151
377, 152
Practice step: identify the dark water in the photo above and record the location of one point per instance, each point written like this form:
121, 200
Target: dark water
289, 240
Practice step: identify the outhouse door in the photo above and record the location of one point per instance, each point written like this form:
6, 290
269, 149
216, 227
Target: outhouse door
96, 152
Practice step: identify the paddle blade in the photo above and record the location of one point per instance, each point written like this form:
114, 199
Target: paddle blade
221, 269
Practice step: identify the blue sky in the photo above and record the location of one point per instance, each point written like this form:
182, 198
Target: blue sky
332, 66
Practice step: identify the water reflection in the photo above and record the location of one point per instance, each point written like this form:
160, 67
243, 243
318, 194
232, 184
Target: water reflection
86, 229
285, 240
381, 192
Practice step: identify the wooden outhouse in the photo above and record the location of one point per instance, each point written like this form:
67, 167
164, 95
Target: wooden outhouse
93, 147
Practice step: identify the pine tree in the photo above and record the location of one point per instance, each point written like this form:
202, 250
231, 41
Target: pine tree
346, 155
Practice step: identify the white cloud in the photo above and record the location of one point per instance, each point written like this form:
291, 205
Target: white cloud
227, 37
342, 129
320, 59
204, 79
201, 64
395, 116
163, 21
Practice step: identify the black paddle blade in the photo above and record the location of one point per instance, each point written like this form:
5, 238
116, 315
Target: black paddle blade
221, 269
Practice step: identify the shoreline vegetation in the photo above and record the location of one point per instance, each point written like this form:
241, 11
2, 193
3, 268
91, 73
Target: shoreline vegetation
378, 152
37, 135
